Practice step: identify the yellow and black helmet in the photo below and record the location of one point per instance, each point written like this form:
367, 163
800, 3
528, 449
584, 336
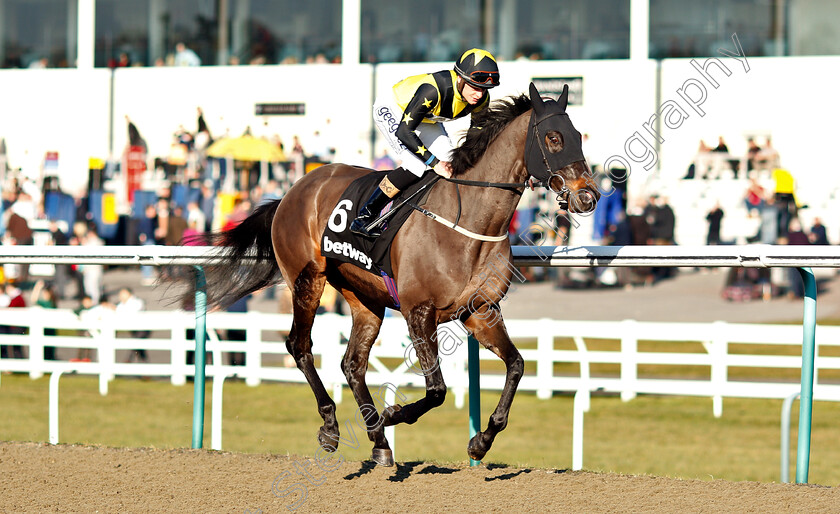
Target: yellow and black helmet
478, 67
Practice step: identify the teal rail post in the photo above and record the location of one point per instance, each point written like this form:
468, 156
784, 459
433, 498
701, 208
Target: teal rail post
475, 390
200, 343
806, 397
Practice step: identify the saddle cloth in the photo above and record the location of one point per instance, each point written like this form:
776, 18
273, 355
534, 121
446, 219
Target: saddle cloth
372, 255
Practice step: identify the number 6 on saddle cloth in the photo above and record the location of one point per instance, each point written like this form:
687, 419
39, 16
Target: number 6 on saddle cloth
372, 255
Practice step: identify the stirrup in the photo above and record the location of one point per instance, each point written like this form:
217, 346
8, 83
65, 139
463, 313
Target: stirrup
368, 214
361, 227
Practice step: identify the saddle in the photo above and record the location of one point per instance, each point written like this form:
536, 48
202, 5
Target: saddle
374, 255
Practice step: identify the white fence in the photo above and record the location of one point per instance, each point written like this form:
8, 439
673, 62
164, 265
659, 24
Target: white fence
543, 343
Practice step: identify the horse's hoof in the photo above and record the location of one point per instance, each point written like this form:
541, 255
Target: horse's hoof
474, 449
476, 455
383, 457
327, 441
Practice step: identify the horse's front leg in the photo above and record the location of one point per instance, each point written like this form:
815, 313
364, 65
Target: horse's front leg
492, 334
422, 325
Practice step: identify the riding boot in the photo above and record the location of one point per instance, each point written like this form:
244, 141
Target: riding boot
369, 213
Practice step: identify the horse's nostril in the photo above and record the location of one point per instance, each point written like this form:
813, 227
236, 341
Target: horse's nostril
584, 201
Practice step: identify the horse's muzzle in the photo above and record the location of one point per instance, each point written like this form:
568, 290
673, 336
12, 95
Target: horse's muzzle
583, 201
578, 195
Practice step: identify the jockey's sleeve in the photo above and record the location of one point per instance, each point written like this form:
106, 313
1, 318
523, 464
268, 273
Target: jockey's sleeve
424, 101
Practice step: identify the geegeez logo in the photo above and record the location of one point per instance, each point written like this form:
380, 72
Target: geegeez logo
387, 117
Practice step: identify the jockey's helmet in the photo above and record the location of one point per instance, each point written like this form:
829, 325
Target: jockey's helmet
478, 67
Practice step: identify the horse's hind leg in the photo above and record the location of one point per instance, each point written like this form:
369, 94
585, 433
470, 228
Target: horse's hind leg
306, 296
366, 323
494, 337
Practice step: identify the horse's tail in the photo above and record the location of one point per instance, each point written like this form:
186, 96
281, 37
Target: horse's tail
247, 261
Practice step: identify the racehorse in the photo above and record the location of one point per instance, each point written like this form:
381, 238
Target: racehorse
510, 145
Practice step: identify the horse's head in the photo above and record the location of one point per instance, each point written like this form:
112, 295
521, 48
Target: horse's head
553, 154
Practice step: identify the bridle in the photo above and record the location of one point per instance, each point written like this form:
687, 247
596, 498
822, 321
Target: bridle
534, 134
543, 178
538, 165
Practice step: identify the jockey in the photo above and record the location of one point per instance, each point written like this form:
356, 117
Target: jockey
410, 120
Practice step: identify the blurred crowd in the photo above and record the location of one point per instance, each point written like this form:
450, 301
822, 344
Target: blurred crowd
540, 221
715, 162
180, 55
768, 212
185, 56
181, 195
192, 190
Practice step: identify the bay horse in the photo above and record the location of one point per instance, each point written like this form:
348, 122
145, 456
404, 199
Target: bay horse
436, 269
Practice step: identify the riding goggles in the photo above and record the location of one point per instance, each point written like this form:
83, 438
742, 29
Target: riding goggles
488, 78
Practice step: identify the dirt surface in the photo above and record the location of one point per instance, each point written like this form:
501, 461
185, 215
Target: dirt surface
43, 478
38, 477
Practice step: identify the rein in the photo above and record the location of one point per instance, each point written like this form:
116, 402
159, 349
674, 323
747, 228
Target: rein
514, 186
500, 185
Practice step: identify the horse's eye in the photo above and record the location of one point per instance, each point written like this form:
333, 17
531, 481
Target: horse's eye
554, 141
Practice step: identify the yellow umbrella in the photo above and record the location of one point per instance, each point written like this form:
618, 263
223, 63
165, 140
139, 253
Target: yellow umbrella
246, 148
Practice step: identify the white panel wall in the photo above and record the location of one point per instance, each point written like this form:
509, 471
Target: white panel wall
159, 99
791, 99
55, 110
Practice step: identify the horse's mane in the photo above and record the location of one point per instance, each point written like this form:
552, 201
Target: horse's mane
484, 127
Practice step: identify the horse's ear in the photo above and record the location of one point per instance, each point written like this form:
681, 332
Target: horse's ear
536, 100
564, 98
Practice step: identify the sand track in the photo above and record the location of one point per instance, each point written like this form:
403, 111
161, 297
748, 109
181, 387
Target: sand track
37, 477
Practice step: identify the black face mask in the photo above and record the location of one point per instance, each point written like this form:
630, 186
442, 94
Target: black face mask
549, 116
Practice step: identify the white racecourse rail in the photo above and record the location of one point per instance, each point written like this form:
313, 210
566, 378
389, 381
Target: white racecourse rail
537, 338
